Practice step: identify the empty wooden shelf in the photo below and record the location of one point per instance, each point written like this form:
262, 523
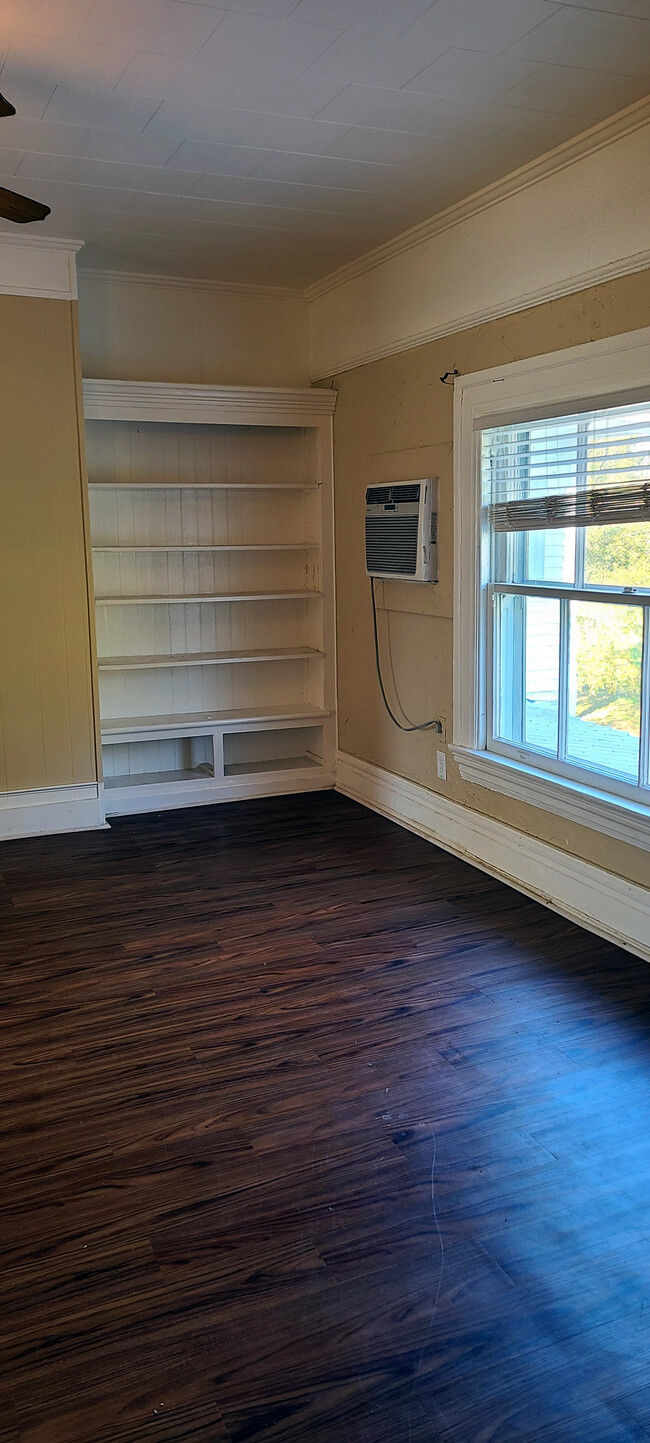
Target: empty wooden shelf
193, 546
205, 658
185, 599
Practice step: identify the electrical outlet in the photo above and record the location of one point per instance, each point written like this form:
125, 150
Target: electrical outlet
441, 766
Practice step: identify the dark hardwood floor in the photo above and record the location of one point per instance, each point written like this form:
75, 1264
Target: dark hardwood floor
311, 1132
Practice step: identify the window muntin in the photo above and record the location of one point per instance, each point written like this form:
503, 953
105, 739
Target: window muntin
567, 606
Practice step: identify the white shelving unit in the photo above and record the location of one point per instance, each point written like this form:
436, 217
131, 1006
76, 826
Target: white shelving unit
212, 546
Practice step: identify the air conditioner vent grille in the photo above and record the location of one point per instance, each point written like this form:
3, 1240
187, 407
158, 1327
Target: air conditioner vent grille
392, 544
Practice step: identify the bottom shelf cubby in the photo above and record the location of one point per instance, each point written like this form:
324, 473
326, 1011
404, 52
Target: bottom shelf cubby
158, 762
253, 753
151, 764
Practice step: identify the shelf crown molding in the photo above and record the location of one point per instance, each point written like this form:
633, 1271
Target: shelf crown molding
38, 266
227, 405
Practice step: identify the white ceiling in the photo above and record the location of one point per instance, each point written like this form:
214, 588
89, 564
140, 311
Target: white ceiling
274, 140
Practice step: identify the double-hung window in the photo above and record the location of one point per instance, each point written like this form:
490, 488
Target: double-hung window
561, 604
567, 510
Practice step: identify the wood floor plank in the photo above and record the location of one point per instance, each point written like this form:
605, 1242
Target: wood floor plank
312, 1133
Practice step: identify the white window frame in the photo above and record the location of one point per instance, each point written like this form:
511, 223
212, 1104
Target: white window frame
612, 369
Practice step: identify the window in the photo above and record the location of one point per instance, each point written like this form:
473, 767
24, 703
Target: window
553, 500
567, 525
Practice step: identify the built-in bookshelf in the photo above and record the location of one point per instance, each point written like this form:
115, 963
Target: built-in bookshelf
212, 558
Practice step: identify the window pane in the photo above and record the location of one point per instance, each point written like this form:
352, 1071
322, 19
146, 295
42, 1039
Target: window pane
605, 687
526, 671
618, 555
551, 555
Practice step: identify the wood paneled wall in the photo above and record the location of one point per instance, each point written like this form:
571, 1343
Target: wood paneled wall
394, 422
47, 731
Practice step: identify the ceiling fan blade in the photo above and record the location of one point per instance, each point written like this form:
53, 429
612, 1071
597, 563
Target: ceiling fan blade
19, 208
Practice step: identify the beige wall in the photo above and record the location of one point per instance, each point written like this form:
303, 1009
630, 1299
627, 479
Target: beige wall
393, 421
47, 733
152, 330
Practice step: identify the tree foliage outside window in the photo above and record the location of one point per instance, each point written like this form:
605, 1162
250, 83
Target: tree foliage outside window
608, 665
611, 639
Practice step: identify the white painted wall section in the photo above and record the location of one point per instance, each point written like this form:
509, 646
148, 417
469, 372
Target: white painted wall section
157, 328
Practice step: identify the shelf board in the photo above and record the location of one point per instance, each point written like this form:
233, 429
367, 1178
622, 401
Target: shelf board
143, 779
254, 546
278, 764
182, 722
204, 485
204, 658
216, 596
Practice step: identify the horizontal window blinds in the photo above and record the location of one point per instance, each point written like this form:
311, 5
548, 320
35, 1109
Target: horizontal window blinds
589, 469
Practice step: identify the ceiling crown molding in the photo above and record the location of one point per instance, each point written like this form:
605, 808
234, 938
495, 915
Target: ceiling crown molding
625, 122
37, 265
465, 321
190, 283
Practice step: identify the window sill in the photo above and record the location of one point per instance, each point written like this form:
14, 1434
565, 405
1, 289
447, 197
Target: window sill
615, 817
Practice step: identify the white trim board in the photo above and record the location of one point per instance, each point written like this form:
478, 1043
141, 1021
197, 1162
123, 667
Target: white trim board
127, 801
51, 810
226, 405
525, 301
604, 133
588, 807
38, 266
587, 895
575, 218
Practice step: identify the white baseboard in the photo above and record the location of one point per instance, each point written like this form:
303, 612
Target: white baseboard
52, 809
595, 899
127, 801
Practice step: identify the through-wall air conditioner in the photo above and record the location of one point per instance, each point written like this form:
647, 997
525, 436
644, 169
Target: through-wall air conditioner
402, 530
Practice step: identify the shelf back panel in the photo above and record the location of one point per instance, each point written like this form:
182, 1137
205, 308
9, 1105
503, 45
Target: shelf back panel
178, 690
240, 626
132, 452
203, 573
188, 515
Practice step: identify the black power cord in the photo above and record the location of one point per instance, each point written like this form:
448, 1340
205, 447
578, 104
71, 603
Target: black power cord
423, 726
